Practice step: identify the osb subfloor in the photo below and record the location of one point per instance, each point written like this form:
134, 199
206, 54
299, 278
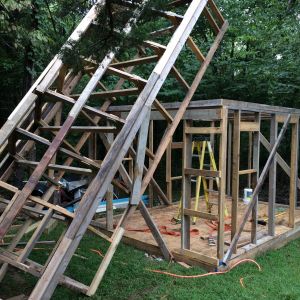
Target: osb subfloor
138, 230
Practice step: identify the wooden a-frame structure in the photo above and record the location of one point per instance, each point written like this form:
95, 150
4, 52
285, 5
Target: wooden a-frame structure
40, 112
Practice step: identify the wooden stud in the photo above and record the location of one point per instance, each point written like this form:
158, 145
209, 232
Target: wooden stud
151, 148
250, 155
212, 143
294, 173
229, 157
222, 185
186, 188
109, 208
272, 179
169, 171
254, 177
235, 171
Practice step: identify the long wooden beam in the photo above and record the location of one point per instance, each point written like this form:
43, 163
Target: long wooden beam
110, 94
111, 129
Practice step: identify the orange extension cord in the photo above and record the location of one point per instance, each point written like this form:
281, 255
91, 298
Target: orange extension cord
207, 274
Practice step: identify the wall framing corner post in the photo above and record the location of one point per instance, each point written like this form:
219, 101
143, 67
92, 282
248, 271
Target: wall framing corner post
235, 171
229, 157
294, 172
186, 187
255, 152
222, 185
272, 178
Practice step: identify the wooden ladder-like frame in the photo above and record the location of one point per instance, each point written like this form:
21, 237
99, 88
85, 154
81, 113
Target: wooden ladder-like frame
43, 105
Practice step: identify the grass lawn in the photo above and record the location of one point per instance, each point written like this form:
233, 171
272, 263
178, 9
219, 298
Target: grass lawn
128, 276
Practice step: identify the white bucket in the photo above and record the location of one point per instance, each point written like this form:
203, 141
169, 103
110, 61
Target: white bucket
247, 195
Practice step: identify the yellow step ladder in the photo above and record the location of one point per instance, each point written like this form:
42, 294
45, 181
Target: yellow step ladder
200, 147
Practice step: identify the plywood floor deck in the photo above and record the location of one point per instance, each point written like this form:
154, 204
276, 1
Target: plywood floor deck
137, 232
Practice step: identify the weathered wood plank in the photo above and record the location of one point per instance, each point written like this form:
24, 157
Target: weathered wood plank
272, 179
54, 96
254, 177
200, 214
111, 94
201, 257
235, 171
204, 173
246, 172
294, 173
57, 167
106, 129
249, 126
222, 184
203, 130
186, 188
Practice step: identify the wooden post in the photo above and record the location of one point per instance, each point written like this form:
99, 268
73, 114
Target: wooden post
235, 171
169, 170
109, 193
212, 142
139, 161
250, 156
272, 179
222, 185
186, 187
294, 172
151, 148
255, 151
57, 122
130, 167
229, 158
109, 208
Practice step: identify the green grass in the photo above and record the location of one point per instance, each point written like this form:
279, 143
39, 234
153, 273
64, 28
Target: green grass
128, 277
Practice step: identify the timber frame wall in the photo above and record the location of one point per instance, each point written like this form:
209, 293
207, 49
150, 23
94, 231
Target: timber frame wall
50, 113
225, 121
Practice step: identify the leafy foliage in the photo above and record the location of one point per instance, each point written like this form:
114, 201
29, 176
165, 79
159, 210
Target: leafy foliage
258, 60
